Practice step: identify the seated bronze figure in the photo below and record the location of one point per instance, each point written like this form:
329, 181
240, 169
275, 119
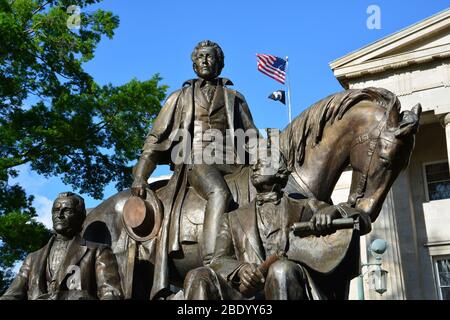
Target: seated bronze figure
252, 259
67, 268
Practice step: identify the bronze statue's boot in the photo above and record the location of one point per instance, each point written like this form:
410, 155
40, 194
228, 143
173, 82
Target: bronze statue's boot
217, 205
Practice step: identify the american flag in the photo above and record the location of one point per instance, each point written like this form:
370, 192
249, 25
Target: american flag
272, 66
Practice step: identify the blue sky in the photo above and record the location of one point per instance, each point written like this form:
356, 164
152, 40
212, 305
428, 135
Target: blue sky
158, 37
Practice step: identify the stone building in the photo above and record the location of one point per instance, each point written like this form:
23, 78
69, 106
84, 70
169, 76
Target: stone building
414, 63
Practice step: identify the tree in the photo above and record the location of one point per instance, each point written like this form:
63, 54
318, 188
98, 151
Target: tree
20, 234
55, 117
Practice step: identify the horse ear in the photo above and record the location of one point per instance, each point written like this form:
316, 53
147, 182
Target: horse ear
409, 121
417, 109
404, 130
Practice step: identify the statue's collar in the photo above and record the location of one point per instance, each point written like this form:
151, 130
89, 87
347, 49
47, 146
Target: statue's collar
268, 197
223, 81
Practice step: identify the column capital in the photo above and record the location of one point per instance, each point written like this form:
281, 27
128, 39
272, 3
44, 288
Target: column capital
446, 119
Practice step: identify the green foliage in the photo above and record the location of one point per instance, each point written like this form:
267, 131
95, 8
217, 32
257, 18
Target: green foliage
20, 234
55, 117
13, 198
75, 128
6, 277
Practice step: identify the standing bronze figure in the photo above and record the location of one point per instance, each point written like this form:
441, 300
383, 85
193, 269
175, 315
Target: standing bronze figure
67, 268
205, 103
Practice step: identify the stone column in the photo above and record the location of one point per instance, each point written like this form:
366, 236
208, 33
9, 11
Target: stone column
447, 134
386, 228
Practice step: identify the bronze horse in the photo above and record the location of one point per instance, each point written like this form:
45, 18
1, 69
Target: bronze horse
363, 128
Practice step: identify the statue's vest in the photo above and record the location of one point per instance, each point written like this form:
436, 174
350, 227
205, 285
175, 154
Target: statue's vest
211, 118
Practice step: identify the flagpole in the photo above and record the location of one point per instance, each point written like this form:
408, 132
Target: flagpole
288, 89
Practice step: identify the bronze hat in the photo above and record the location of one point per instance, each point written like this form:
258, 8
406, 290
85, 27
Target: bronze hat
142, 218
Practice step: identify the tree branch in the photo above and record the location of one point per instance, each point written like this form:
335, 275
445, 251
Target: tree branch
48, 65
25, 157
40, 7
15, 163
31, 30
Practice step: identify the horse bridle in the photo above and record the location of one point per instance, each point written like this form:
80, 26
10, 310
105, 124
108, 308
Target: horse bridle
373, 136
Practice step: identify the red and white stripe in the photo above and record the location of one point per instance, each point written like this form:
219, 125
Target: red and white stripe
265, 62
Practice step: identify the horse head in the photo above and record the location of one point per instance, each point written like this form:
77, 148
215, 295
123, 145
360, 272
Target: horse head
378, 157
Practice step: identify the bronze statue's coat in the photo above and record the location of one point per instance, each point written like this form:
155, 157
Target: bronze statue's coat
98, 270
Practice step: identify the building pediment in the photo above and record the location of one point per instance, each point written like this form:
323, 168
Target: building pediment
420, 43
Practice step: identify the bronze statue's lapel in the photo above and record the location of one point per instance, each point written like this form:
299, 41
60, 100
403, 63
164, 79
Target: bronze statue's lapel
292, 212
41, 279
75, 253
199, 97
217, 99
229, 99
247, 219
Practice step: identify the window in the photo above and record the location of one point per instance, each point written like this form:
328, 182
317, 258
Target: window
437, 178
442, 268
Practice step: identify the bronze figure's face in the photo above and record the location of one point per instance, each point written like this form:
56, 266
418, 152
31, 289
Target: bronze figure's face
67, 218
206, 63
267, 173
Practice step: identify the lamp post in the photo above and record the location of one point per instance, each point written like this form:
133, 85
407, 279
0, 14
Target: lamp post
377, 275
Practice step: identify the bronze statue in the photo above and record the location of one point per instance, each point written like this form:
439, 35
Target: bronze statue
67, 268
363, 128
203, 107
205, 103
252, 257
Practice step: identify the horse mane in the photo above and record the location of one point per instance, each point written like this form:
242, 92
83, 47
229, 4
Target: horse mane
308, 127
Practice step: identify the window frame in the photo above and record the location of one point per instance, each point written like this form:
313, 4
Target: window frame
424, 173
436, 274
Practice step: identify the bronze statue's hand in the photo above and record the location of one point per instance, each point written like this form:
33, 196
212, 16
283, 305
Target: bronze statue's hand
139, 190
251, 278
323, 218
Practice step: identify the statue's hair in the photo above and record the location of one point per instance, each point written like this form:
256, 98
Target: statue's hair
210, 44
282, 174
307, 129
80, 207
